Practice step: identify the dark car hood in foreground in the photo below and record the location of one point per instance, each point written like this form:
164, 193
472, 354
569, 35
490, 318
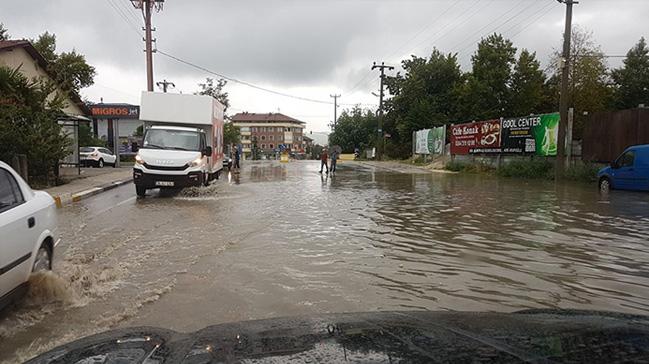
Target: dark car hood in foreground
384, 337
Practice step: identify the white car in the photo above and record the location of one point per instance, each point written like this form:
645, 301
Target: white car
96, 156
28, 233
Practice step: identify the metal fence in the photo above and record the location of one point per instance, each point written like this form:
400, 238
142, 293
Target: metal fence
608, 133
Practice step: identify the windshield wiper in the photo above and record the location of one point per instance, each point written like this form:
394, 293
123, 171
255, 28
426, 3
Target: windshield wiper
178, 148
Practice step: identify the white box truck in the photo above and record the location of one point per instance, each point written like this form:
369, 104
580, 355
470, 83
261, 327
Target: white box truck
182, 144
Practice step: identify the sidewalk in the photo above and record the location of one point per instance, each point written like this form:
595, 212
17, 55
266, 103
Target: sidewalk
91, 182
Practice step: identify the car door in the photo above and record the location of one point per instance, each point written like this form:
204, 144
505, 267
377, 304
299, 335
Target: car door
18, 235
109, 157
624, 176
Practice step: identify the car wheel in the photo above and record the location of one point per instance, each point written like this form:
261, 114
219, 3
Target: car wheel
43, 260
115, 164
100, 164
140, 191
605, 185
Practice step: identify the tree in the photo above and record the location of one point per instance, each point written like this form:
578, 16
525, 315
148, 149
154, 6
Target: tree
28, 123
632, 79
4, 33
69, 69
424, 96
528, 95
355, 128
589, 89
231, 134
216, 91
46, 46
486, 92
87, 139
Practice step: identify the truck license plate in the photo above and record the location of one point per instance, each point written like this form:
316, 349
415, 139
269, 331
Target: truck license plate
164, 183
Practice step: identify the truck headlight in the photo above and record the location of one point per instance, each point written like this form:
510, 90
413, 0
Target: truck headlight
139, 159
197, 162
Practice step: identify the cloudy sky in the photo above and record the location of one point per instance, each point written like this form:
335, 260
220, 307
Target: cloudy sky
305, 48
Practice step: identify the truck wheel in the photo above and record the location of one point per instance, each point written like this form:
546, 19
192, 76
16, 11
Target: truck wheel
206, 179
605, 185
218, 174
140, 191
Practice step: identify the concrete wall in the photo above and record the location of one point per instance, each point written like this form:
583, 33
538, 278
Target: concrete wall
31, 69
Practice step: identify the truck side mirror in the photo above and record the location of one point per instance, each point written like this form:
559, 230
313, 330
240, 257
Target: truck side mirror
134, 147
207, 151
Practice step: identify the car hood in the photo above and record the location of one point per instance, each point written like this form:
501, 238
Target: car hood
531, 335
169, 158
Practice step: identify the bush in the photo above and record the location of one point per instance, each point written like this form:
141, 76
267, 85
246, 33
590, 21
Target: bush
534, 168
454, 166
586, 172
28, 124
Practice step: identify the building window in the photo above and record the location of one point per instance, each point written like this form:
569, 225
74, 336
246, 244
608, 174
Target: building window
244, 129
263, 146
271, 146
295, 146
263, 137
271, 137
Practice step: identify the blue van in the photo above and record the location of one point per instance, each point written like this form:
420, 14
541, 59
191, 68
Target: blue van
630, 171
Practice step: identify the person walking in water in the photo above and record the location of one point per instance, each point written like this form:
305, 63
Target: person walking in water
334, 158
237, 156
323, 160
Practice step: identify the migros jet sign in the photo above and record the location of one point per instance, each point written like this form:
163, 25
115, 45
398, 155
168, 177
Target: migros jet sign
115, 111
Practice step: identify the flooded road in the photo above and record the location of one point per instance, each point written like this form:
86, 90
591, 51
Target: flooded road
283, 240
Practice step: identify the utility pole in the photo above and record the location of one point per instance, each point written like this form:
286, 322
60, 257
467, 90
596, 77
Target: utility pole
146, 6
564, 97
382, 67
335, 97
164, 84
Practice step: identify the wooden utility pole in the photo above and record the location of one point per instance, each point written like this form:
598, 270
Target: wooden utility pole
564, 97
146, 6
335, 97
382, 67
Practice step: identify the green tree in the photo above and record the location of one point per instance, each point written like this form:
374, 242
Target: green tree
528, 94
4, 33
424, 96
28, 123
486, 92
231, 134
69, 69
355, 128
87, 138
632, 79
589, 89
46, 46
215, 90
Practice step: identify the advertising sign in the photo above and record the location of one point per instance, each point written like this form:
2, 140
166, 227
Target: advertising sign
115, 111
536, 134
430, 141
421, 141
478, 137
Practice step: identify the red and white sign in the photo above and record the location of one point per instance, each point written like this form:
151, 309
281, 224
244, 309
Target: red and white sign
478, 137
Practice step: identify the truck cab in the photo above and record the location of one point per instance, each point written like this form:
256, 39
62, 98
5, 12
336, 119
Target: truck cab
182, 144
629, 171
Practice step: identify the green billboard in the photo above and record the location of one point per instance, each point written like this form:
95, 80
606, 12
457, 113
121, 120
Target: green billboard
537, 134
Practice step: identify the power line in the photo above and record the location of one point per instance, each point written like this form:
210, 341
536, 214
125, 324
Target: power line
438, 36
124, 17
544, 10
242, 82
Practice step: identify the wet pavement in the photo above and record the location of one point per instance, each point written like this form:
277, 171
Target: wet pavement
282, 240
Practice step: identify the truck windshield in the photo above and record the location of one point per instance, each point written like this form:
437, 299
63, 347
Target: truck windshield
172, 139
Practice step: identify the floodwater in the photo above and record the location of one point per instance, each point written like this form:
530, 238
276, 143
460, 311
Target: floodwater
283, 240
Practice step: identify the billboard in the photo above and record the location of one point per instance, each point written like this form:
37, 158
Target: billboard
477, 137
537, 134
430, 141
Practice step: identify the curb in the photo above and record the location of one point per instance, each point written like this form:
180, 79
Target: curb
68, 198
